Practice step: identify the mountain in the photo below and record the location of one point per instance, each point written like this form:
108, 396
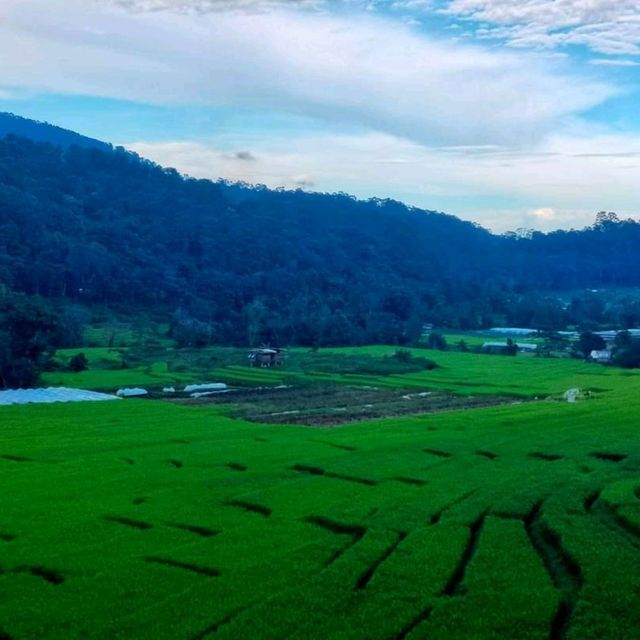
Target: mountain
242, 264
11, 124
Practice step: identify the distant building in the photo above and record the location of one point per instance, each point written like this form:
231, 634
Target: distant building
603, 356
498, 347
513, 331
267, 357
610, 335
528, 347
607, 336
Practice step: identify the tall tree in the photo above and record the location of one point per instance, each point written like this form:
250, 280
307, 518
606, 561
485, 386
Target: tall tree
589, 342
27, 333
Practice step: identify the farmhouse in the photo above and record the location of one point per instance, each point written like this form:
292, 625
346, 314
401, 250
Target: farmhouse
267, 357
602, 356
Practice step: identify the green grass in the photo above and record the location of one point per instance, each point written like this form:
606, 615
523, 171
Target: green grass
96, 356
126, 334
478, 338
154, 375
144, 519
468, 374
111, 368
523, 375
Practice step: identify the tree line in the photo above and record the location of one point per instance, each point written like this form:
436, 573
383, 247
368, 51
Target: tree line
237, 264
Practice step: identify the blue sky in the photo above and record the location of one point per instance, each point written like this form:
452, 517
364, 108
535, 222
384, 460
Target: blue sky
507, 113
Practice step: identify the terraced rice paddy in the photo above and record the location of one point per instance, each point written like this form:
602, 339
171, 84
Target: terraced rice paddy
457, 372
146, 519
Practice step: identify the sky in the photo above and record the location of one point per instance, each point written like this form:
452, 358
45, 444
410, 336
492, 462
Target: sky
512, 114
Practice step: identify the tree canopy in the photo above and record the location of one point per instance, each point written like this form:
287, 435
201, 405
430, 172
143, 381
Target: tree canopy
240, 264
28, 331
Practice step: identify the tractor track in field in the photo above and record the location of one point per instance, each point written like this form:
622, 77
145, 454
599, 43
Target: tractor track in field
9, 457
439, 453
415, 482
236, 466
335, 445
591, 499
250, 507
356, 532
128, 522
608, 456
4, 635
547, 457
564, 571
198, 530
609, 517
216, 626
423, 616
455, 584
48, 575
318, 471
435, 518
366, 577
486, 454
209, 572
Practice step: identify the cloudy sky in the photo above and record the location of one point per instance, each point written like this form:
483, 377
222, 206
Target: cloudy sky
509, 113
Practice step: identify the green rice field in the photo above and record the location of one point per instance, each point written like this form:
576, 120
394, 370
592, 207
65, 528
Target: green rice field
151, 519
457, 372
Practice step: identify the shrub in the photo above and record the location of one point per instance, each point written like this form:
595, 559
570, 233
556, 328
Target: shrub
436, 341
628, 357
589, 342
402, 355
78, 363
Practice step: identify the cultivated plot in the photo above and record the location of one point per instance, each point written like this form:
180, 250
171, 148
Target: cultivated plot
152, 520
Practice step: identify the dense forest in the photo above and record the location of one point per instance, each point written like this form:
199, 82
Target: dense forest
84, 224
11, 124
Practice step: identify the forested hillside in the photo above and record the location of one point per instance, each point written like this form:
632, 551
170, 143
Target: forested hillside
11, 124
246, 264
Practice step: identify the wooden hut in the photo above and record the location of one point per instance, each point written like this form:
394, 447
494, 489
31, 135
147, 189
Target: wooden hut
267, 357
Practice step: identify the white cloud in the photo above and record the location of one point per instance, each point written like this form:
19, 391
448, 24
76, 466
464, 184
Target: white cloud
614, 62
206, 6
606, 26
358, 71
7, 94
544, 213
257, 6
573, 175
467, 129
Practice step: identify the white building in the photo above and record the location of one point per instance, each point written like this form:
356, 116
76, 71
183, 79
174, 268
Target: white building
600, 355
